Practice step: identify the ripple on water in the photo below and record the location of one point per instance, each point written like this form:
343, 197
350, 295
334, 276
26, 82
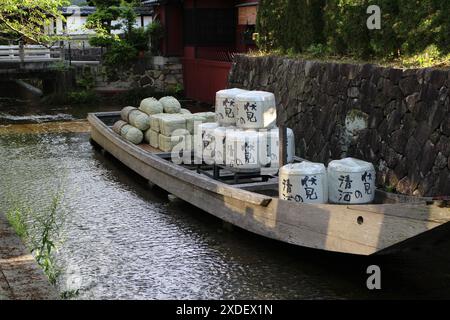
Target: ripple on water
125, 241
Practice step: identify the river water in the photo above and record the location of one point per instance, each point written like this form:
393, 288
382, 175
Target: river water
125, 240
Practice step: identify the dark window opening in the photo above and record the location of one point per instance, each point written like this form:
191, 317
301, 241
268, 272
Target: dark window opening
209, 27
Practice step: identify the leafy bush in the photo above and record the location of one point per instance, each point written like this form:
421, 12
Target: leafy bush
82, 97
156, 32
41, 231
139, 39
338, 27
120, 53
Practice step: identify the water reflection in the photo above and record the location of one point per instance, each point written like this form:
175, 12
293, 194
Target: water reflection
124, 240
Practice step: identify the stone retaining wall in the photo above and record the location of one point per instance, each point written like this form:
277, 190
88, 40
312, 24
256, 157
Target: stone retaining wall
397, 119
163, 74
159, 73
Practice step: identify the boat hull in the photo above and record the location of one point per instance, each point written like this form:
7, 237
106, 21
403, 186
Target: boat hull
355, 229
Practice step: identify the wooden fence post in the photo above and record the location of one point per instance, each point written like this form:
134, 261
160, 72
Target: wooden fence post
21, 52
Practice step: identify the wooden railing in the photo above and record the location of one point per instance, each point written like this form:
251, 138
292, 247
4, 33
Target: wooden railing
25, 53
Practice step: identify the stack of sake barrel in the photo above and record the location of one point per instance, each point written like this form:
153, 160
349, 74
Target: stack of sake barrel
245, 137
345, 181
161, 123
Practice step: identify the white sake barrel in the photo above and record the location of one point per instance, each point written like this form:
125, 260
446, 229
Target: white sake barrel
220, 147
247, 152
208, 141
351, 181
304, 182
256, 110
230, 145
273, 146
226, 106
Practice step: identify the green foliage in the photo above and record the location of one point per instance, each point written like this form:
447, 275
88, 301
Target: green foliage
156, 32
119, 54
41, 232
121, 50
16, 217
338, 27
317, 50
86, 80
45, 244
70, 294
26, 19
138, 38
431, 56
81, 97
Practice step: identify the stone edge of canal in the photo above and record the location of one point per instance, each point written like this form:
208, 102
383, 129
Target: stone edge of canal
20, 276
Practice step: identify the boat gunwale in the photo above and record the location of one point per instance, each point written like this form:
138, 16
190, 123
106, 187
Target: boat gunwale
223, 189
286, 215
180, 172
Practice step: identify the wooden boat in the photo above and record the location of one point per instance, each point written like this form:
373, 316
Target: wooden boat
390, 223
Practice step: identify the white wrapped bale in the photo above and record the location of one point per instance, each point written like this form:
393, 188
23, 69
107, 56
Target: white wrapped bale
171, 122
351, 181
166, 143
304, 182
136, 118
154, 121
132, 134
125, 112
152, 138
117, 127
170, 105
209, 116
226, 106
256, 110
139, 119
185, 111
151, 106
191, 121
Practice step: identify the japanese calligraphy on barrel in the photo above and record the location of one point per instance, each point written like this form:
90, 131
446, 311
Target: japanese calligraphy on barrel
256, 110
226, 106
208, 141
351, 181
304, 182
273, 146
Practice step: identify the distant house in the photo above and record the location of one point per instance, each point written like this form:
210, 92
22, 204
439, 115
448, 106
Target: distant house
205, 34
76, 17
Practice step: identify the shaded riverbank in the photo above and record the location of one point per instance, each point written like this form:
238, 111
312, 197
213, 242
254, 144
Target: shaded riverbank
124, 240
20, 276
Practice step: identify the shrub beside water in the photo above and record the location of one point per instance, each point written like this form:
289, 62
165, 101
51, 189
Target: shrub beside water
41, 231
338, 28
